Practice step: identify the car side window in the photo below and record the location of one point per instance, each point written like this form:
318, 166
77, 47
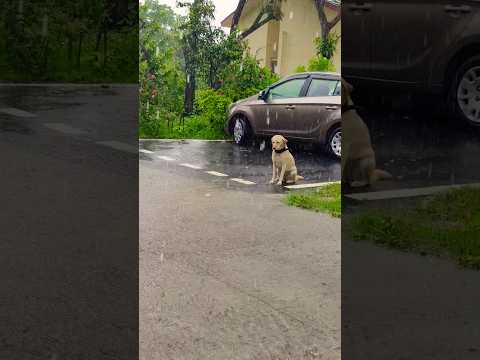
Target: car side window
323, 87
289, 89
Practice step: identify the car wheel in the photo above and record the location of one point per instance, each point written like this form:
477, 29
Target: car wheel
334, 144
241, 131
465, 92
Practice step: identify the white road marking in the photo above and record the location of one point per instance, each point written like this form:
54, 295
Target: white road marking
185, 140
145, 151
405, 193
17, 112
311, 185
68, 85
241, 181
166, 158
214, 173
66, 129
117, 145
191, 166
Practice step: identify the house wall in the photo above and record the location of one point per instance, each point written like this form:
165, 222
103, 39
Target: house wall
257, 41
298, 30
293, 37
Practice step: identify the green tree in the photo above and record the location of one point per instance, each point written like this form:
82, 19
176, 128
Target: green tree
195, 35
325, 25
160, 71
218, 52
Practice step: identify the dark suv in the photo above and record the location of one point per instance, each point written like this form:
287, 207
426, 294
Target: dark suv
420, 47
302, 107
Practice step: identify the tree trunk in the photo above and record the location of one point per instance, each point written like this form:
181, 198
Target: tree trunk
237, 14
255, 26
189, 93
105, 41
45, 57
325, 25
79, 53
70, 50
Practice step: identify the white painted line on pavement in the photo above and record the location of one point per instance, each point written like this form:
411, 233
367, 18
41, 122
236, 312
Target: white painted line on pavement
68, 85
66, 129
166, 158
145, 151
214, 173
117, 145
191, 166
241, 181
311, 185
405, 193
17, 112
185, 140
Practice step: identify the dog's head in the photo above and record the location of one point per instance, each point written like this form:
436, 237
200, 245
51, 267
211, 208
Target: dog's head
347, 90
279, 142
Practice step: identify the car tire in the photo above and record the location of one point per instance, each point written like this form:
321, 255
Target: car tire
334, 142
465, 92
241, 131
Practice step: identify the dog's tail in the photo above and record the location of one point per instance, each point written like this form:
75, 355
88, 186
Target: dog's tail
298, 177
381, 175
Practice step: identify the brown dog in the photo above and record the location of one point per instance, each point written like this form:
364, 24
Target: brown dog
358, 158
283, 163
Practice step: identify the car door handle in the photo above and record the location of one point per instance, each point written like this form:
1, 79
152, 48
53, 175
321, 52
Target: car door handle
360, 7
290, 107
464, 9
329, 107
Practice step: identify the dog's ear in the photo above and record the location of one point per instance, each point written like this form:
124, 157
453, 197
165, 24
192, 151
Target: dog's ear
284, 140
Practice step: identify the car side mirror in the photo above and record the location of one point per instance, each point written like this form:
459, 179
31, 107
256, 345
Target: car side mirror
262, 95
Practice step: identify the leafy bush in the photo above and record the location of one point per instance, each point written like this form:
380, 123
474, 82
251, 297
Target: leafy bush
198, 127
244, 78
325, 51
326, 47
300, 69
320, 63
213, 106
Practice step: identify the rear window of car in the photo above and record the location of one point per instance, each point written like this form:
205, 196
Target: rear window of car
289, 89
322, 87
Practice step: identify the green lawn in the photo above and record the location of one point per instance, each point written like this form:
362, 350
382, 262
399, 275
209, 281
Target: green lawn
445, 225
325, 199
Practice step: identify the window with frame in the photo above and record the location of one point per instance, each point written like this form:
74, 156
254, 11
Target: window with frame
323, 87
289, 89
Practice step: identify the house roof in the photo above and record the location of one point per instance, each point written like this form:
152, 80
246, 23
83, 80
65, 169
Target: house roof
227, 22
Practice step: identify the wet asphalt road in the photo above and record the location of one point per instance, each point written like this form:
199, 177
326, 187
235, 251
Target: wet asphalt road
252, 163
69, 240
423, 150
228, 274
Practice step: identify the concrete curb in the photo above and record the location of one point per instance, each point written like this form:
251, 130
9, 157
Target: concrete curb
407, 193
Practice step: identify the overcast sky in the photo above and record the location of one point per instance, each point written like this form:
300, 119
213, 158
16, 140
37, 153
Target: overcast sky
222, 8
